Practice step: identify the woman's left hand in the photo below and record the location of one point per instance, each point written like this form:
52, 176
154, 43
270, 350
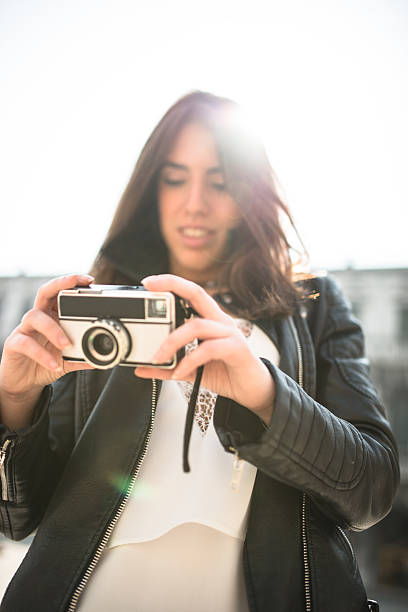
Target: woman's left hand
231, 368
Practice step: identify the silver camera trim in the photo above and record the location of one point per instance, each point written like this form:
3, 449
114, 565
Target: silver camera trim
97, 291
145, 334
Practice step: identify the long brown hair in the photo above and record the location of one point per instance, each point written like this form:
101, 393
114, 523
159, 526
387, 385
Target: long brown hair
257, 270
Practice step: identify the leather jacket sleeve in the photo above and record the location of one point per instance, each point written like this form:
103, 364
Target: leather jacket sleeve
336, 447
35, 459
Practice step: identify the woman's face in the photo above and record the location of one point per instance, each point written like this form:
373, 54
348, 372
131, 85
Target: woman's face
196, 212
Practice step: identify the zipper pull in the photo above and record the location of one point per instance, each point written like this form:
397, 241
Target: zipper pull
3, 451
3, 477
237, 468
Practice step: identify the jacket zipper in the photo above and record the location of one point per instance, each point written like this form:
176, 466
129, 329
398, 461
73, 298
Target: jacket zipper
308, 594
299, 352
4, 450
305, 545
98, 553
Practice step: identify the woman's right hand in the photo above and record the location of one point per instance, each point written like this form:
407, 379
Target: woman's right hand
32, 354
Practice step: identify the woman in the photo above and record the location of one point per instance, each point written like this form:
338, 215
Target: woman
290, 443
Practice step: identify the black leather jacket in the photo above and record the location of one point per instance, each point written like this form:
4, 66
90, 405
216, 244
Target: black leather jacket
327, 462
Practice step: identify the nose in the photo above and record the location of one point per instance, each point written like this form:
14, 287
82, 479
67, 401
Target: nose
196, 199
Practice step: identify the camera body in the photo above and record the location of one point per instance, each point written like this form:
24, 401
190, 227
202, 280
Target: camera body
111, 325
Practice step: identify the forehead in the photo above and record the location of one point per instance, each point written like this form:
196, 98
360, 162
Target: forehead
194, 146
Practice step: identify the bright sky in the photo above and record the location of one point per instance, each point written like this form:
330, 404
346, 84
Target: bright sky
83, 83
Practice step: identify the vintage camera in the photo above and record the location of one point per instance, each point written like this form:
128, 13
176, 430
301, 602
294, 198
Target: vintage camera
111, 325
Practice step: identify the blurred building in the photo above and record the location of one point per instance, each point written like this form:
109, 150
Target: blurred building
380, 300
17, 294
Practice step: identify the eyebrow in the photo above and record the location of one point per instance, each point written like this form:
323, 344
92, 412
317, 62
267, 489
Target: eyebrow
170, 164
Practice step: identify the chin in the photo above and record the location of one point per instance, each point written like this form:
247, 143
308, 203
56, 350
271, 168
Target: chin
199, 271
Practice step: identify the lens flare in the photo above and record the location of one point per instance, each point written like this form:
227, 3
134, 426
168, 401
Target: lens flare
141, 490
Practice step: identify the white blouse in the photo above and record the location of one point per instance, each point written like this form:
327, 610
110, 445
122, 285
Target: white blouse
178, 544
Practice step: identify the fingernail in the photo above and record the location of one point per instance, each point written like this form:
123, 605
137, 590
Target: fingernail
86, 277
53, 364
148, 278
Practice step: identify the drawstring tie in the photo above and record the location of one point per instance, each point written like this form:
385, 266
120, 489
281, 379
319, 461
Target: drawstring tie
190, 418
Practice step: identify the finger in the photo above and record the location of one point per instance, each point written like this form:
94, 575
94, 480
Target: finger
73, 366
211, 350
39, 321
27, 346
203, 303
50, 290
197, 328
159, 373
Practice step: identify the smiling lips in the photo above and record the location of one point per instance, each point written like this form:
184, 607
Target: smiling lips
195, 232
196, 236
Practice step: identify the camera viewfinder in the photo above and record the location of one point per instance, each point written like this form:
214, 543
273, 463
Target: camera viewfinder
157, 308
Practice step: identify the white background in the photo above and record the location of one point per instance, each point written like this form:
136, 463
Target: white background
83, 83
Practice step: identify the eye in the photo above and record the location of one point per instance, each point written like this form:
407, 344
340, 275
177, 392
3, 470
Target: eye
173, 182
218, 186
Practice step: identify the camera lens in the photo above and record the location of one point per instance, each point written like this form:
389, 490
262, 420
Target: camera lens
106, 343
103, 344
100, 346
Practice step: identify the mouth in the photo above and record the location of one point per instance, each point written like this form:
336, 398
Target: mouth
196, 236
195, 232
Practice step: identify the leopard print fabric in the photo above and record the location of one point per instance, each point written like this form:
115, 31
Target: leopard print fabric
206, 399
